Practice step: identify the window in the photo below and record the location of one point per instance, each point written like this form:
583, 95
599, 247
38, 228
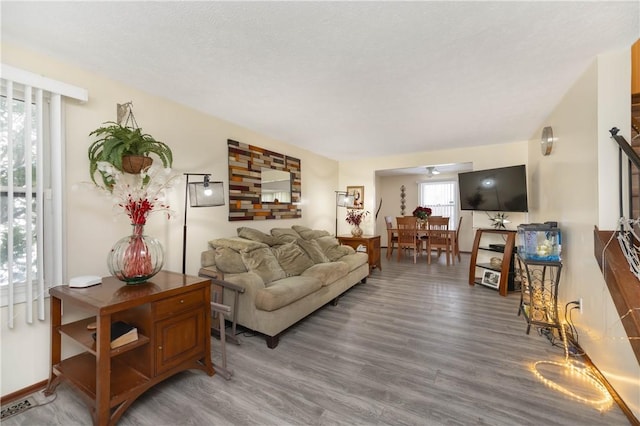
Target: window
441, 198
16, 217
31, 151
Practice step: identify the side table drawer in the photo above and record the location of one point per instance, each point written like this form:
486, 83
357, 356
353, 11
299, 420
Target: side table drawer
175, 304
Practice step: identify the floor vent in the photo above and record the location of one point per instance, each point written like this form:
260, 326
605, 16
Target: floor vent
18, 407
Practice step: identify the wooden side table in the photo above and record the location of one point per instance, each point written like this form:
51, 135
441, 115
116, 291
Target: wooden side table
370, 242
172, 314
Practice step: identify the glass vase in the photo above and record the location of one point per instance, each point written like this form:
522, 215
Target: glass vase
356, 231
136, 258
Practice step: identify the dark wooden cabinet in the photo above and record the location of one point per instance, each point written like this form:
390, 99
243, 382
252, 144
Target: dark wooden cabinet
371, 244
179, 338
172, 315
497, 244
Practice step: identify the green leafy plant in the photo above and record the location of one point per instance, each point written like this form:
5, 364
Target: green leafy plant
115, 141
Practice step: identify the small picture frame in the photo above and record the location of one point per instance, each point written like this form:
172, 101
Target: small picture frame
358, 196
491, 279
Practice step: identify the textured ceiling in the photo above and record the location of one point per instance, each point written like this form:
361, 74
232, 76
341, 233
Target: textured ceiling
342, 79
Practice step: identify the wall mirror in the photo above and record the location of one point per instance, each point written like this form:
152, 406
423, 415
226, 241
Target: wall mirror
263, 184
275, 186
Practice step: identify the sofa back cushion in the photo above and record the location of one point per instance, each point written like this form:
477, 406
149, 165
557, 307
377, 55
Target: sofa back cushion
229, 261
257, 235
332, 249
313, 250
262, 262
237, 244
285, 235
308, 233
292, 258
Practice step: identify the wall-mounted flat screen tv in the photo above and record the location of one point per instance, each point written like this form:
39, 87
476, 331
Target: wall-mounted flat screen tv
503, 189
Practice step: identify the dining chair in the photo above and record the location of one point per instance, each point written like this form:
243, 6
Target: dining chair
439, 238
408, 235
392, 236
456, 244
425, 237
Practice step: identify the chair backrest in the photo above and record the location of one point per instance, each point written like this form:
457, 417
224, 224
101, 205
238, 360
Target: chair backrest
438, 229
458, 228
438, 222
407, 227
389, 221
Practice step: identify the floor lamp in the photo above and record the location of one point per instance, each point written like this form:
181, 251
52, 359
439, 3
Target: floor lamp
343, 199
201, 194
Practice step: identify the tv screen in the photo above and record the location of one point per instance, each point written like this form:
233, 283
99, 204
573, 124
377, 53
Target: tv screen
503, 189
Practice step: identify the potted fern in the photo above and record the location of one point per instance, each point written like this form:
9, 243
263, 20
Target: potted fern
125, 148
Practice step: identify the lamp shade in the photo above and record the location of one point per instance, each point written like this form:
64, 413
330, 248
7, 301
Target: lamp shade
344, 200
208, 194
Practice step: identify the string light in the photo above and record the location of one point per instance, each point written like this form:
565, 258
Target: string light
576, 369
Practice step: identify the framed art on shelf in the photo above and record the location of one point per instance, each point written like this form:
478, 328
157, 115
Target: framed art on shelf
358, 196
491, 279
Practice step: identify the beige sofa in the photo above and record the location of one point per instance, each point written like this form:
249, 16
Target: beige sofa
285, 275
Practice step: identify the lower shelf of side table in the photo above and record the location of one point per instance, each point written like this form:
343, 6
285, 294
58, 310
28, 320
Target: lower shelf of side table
80, 370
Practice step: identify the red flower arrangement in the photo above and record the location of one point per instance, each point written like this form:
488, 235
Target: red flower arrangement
141, 195
355, 217
139, 209
422, 212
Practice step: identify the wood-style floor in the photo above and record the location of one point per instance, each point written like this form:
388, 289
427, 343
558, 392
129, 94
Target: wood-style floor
415, 345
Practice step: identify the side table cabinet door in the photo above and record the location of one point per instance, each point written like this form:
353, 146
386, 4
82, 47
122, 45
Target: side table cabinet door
179, 339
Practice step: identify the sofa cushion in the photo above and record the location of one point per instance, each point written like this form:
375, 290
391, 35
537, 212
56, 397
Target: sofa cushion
327, 273
308, 233
286, 235
337, 253
292, 258
332, 248
327, 242
313, 250
262, 262
208, 258
237, 243
355, 260
229, 261
285, 291
257, 235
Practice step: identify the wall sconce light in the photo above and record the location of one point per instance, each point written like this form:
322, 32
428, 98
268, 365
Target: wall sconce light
546, 140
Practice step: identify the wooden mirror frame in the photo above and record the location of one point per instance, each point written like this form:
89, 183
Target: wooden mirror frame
245, 169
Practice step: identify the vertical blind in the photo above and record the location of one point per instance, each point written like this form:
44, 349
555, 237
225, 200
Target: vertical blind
441, 198
31, 180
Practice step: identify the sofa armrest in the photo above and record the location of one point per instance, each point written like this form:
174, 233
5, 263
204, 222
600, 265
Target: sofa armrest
227, 284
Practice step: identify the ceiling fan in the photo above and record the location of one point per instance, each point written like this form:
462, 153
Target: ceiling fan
432, 171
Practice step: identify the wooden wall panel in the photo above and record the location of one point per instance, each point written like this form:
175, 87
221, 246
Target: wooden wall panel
635, 68
245, 165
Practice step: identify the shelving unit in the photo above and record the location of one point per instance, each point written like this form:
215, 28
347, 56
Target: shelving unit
493, 243
172, 315
539, 292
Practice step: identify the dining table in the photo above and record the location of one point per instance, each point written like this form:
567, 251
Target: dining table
424, 232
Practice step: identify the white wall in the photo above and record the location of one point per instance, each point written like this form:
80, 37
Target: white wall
199, 144
362, 172
577, 186
388, 189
